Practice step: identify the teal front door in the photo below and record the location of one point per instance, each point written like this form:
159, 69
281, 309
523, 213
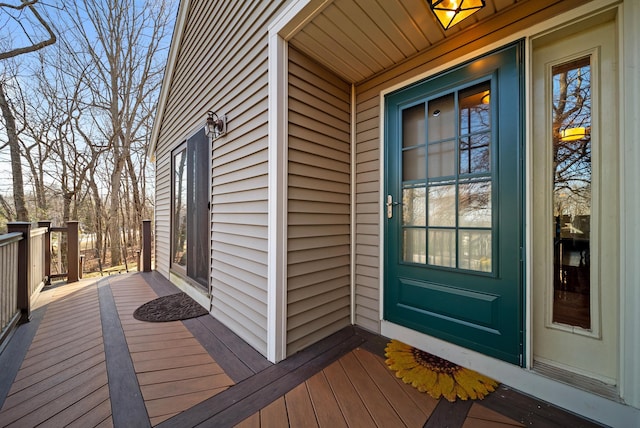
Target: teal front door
453, 205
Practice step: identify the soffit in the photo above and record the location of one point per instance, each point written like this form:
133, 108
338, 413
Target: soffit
357, 39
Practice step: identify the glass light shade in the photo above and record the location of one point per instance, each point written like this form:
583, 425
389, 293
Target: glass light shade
450, 12
573, 134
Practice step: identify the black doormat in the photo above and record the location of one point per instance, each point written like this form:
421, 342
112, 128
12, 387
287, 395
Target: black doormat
173, 307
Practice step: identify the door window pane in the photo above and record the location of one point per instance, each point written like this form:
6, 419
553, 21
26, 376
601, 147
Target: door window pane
413, 133
414, 164
414, 244
442, 247
474, 207
442, 118
572, 192
414, 206
475, 109
475, 154
442, 205
442, 161
474, 250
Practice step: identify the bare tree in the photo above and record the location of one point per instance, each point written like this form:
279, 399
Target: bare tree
122, 40
14, 148
21, 20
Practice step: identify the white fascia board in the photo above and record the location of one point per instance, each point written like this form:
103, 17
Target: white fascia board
174, 48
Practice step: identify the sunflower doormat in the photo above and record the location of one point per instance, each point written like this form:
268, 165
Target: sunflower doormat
436, 376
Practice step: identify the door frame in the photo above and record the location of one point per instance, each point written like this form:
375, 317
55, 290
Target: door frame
507, 162
178, 274
580, 401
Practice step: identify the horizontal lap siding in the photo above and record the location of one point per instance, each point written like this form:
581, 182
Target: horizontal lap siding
318, 244
367, 176
222, 66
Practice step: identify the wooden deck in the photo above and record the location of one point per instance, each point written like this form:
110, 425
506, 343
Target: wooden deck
84, 361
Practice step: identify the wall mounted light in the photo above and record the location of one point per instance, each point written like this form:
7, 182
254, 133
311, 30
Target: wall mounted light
573, 134
450, 12
216, 125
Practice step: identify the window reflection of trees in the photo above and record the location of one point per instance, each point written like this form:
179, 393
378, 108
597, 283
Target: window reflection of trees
180, 209
572, 158
572, 191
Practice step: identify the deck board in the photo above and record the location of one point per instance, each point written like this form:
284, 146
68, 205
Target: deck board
69, 368
325, 404
300, 408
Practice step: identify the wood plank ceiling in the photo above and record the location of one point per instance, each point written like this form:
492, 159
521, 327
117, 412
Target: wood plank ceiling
359, 38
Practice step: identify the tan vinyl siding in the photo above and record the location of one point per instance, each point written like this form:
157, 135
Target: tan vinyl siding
221, 66
318, 242
367, 188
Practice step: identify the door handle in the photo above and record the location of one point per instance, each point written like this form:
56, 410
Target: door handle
390, 205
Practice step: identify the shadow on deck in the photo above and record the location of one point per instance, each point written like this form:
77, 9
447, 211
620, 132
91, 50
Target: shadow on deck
85, 361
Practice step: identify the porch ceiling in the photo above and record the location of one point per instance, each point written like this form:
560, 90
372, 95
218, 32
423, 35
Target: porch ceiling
359, 38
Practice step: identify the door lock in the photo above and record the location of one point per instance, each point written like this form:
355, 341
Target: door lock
390, 205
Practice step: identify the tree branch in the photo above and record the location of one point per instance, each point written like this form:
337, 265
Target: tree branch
37, 46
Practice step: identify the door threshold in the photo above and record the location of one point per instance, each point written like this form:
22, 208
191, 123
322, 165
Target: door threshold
583, 382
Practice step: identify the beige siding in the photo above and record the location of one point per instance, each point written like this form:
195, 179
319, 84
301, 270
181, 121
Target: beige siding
318, 242
367, 187
222, 66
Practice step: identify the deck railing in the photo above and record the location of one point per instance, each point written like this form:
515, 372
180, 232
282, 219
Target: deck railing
9, 311
25, 266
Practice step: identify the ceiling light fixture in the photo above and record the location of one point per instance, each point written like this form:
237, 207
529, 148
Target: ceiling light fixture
450, 12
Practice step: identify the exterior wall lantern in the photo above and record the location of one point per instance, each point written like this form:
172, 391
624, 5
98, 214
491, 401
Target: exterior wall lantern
450, 12
216, 125
574, 134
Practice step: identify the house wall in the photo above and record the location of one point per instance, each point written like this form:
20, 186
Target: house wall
222, 66
318, 255
368, 122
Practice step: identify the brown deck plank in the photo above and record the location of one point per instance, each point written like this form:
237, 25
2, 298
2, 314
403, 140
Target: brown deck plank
171, 352
64, 352
353, 409
252, 421
163, 344
95, 417
107, 423
274, 415
61, 324
159, 419
24, 390
187, 386
378, 406
83, 406
411, 413
181, 373
44, 406
325, 405
150, 329
178, 403
300, 408
34, 374
155, 335
170, 363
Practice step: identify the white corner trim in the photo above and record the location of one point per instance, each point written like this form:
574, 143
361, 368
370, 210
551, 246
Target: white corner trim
174, 48
277, 218
629, 225
352, 227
